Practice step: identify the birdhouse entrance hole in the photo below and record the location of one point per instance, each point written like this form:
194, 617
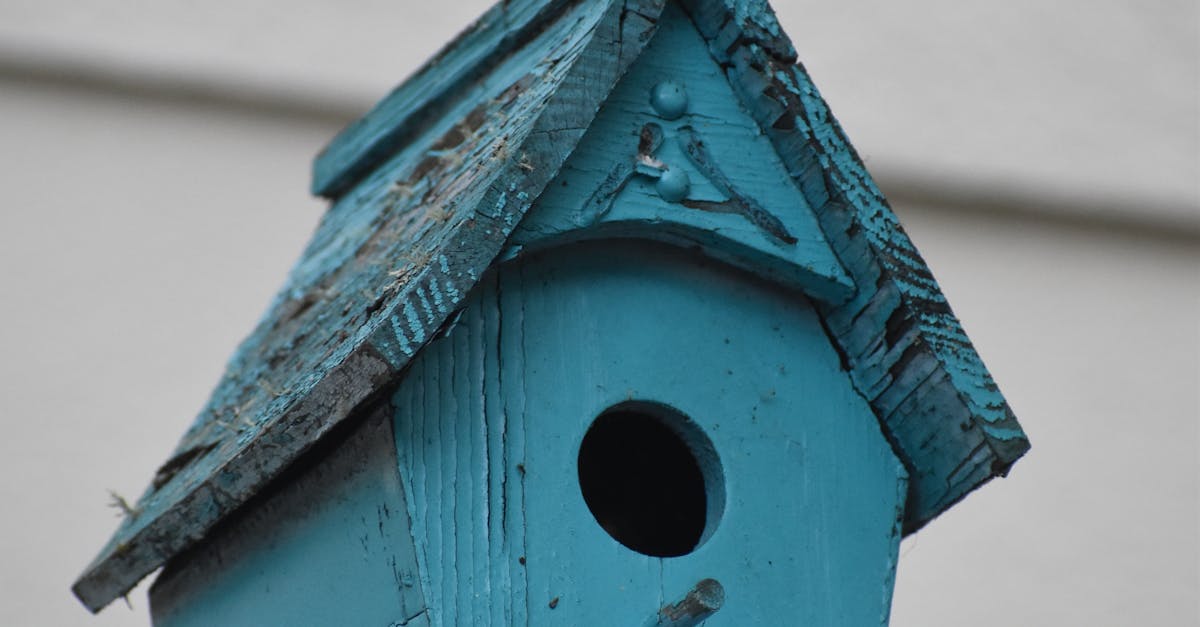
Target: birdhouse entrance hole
651, 478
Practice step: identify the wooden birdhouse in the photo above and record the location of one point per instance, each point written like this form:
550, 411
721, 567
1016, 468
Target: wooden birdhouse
606, 325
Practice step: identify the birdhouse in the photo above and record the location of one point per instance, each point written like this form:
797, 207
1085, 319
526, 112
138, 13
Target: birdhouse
606, 324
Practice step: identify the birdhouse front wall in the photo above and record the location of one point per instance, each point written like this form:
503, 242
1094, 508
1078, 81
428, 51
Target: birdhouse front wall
805, 496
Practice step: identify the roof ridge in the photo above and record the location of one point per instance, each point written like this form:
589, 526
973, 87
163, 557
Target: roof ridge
416, 102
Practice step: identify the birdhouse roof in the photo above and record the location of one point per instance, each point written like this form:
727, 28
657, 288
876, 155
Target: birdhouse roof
426, 190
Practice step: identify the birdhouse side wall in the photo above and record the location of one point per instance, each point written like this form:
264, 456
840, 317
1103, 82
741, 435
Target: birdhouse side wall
328, 545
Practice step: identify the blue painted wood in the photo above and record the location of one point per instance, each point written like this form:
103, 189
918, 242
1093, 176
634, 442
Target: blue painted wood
745, 161
705, 598
330, 547
813, 492
453, 175
456, 75
901, 342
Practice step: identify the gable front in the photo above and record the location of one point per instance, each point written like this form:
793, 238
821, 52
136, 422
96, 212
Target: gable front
737, 202
898, 337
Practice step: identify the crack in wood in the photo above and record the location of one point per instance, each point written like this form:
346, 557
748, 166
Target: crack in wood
738, 203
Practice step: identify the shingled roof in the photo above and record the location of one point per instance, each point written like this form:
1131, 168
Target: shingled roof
426, 190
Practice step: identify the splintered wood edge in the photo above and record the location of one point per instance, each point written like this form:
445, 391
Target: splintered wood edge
901, 344
619, 36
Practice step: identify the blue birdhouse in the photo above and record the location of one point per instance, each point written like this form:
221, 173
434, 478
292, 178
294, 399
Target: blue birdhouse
606, 324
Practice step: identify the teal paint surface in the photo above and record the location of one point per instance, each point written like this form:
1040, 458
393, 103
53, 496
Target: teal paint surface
457, 451
813, 492
902, 344
332, 547
489, 420
678, 55
458, 75
389, 263
428, 190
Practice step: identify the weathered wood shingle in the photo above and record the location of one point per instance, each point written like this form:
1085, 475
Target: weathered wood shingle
903, 346
390, 262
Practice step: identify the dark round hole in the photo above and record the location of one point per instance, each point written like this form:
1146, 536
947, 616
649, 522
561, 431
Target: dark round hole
642, 470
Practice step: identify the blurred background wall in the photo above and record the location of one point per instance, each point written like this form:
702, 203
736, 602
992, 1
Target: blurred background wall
1043, 155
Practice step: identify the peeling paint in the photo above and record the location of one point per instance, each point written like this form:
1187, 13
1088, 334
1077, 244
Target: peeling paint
338, 341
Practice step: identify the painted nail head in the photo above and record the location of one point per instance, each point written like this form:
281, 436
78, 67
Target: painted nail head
669, 100
673, 185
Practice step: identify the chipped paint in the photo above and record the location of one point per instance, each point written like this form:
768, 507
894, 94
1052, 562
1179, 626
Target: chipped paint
817, 550
903, 346
341, 339
336, 532
620, 161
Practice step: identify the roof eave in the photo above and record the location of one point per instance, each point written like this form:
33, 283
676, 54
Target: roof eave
898, 338
142, 545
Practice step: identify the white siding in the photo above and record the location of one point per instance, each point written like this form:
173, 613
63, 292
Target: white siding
155, 167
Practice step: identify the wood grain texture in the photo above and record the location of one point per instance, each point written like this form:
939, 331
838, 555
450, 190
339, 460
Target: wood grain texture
489, 419
567, 211
459, 451
813, 493
434, 184
455, 75
901, 342
331, 543
392, 259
